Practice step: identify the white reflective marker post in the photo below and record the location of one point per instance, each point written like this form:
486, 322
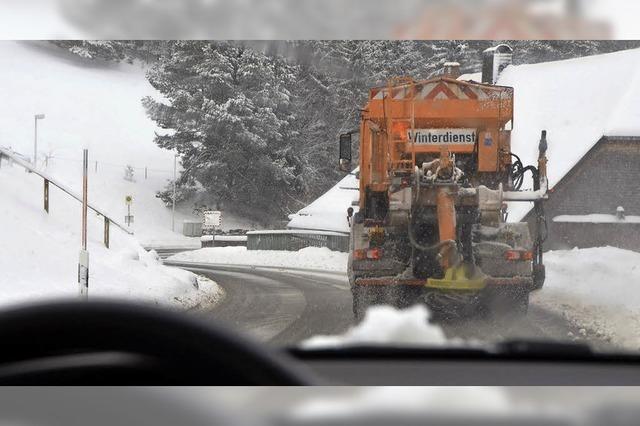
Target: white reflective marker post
35, 138
83, 262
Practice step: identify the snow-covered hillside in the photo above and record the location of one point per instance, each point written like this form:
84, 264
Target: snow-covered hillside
97, 106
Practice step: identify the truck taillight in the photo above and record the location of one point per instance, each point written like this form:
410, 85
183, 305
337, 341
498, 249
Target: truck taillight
360, 254
374, 253
371, 254
518, 255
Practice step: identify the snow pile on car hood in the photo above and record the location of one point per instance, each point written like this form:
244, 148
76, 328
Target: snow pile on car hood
386, 326
405, 402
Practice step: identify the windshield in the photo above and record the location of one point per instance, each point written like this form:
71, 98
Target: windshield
323, 193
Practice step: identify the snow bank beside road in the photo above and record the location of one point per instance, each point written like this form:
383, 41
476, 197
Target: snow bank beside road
307, 258
597, 289
39, 253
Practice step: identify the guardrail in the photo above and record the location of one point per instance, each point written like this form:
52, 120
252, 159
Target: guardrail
296, 239
241, 267
13, 156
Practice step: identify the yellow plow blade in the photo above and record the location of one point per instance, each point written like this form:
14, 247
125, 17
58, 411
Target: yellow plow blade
457, 278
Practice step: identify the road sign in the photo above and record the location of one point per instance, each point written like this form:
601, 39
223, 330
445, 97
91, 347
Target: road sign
128, 199
211, 218
128, 219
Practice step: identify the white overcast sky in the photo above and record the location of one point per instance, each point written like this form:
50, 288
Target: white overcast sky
43, 19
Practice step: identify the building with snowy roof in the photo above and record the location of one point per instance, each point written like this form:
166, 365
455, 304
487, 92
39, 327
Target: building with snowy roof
590, 107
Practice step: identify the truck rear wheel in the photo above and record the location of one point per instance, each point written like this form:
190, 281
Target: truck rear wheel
363, 297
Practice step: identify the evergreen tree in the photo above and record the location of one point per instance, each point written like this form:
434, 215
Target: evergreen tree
229, 115
95, 49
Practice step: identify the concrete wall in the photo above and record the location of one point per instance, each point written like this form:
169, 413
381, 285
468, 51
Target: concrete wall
296, 240
567, 235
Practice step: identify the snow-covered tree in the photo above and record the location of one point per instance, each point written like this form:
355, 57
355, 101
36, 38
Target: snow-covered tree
105, 50
230, 116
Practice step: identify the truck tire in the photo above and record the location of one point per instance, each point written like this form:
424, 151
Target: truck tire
363, 297
358, 303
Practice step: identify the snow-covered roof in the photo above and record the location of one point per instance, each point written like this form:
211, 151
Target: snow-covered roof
577, 101
476, 76
329, 211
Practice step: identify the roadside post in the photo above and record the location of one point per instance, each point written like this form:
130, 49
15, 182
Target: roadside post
211, 220
83, 263
35, 138
128, 219
46, 195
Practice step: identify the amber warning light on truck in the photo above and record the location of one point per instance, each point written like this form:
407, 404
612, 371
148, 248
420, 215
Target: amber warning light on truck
443, 136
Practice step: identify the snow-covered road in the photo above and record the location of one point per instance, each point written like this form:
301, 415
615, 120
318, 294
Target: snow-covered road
286, 307
589, 295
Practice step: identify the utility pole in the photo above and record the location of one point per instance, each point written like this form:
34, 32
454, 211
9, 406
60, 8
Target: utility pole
35, 138
83, 263
173, 197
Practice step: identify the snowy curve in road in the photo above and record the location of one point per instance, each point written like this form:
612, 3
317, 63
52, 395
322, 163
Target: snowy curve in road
574, 304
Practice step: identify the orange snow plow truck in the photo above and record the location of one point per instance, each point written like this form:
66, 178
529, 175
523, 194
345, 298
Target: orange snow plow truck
436, 173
